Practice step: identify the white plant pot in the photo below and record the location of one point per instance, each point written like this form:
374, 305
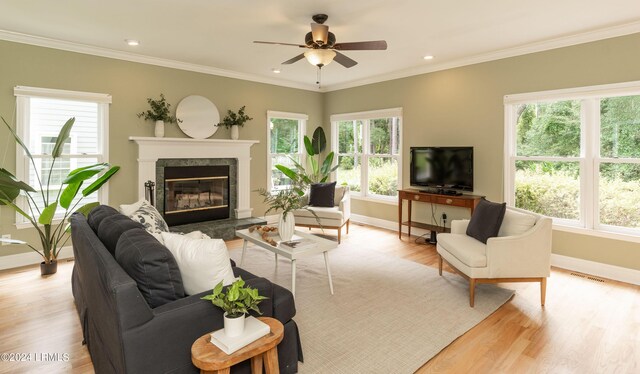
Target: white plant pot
159, 129
286, 226
235, 132
233, 326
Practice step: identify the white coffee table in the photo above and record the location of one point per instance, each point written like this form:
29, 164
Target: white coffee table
319, 245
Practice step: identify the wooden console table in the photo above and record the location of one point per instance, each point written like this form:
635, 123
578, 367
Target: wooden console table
464, 201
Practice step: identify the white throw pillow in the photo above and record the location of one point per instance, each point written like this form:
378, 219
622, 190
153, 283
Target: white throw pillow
147, 215
203, 263
193, 235
516, 223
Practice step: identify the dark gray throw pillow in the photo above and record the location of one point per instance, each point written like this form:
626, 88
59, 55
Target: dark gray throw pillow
151, 265
112, 227
321, 194
486, 220
97, 214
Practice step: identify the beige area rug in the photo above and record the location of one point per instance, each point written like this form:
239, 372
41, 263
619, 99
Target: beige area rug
388, 315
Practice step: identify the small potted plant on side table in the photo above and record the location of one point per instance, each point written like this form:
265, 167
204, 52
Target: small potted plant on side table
236, 302
160, 113
234, 121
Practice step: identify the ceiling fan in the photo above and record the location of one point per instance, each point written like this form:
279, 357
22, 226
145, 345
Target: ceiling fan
322, 47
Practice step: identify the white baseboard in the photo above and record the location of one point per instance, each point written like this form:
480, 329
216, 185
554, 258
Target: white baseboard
30, 258
617, 273
598, 269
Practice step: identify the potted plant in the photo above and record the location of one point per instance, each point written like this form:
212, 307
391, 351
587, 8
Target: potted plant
234, 121
286, 201
319, 171
236, 302
53, 235
160, 113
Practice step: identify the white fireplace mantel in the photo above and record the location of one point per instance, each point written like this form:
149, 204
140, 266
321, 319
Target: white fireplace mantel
151, 149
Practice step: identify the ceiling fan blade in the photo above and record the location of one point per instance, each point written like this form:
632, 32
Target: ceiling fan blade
295, 59
278, 43
320, 33
344, 60
378, 45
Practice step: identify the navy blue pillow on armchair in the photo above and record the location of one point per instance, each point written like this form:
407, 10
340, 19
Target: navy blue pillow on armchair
321, 194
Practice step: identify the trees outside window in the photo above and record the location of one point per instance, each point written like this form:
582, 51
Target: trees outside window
285, 134
574, 155
367, 145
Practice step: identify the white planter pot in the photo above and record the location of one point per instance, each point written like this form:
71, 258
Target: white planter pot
235, 132
286, 226
159, 129
233, 326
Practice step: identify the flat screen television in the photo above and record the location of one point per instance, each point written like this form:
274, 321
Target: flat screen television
447, 168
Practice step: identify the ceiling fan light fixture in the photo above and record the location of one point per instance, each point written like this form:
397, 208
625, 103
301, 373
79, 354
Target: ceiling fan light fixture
320, 57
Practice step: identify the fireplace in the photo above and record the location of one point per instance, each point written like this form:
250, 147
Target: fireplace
195, 194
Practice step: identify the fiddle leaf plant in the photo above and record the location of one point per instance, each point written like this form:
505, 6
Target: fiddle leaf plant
237, 301
52, 235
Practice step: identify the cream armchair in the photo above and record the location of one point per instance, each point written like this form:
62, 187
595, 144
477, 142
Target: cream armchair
520, 253
330, 217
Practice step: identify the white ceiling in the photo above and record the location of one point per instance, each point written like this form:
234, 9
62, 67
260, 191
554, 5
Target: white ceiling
216, 35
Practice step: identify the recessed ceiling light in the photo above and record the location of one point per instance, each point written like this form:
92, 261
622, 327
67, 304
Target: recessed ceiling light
428, 57
275, 70
132, 42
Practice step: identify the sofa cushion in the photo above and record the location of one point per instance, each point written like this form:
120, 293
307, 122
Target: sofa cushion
203, 263
486, 220
147, 215
322, 194
322, 212
468, 250
112, 228
516, 223
151, 265
97, 214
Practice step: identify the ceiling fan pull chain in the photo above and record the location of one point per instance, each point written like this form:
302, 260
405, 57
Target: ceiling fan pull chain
319, 76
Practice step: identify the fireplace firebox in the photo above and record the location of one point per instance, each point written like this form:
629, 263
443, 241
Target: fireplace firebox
195, 194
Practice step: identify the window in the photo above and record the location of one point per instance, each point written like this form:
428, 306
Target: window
367, 147
40, 116
574, 155
285, 132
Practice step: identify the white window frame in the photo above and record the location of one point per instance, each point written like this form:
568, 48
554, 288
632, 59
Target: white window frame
302, 131
23, 95
589, 159
366, 117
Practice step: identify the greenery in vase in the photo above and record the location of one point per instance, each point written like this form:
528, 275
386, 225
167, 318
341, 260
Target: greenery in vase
318, 171
237, 301
234, 119
52, 236
160, 111
285, 201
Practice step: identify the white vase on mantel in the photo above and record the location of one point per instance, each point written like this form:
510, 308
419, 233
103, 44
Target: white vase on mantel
286, 226
159, 129
235, 132
233, 326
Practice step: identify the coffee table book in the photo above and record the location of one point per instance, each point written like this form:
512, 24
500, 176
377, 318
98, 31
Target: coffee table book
254, 329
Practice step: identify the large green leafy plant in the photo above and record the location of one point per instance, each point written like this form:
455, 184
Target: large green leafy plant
318, 171
52, 235
237, 301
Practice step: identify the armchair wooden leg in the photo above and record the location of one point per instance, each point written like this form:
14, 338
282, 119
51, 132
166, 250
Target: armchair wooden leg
339, 234
543, 290
348, 226
440, 265
472, 291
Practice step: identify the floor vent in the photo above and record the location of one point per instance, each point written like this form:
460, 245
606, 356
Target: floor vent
588, 277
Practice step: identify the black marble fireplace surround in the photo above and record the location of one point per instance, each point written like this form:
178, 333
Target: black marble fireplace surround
215, 224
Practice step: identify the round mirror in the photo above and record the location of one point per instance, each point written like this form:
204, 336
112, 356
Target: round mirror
199, 117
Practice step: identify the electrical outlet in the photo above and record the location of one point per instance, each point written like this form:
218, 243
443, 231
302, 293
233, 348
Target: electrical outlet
444, 215
6, 236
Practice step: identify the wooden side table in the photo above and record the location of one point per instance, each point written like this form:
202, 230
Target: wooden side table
210, 359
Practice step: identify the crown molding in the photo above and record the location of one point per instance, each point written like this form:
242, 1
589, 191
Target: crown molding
132, 57
545, 45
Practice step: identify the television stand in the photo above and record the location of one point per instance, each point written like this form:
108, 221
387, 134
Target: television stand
411, 195
441, 191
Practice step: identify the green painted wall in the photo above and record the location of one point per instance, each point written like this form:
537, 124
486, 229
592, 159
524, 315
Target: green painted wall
461, 106
130, 84
464, 106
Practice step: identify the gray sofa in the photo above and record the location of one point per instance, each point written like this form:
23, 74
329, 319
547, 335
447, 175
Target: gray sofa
124, 334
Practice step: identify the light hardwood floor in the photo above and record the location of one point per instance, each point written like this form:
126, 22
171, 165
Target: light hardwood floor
587, 326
